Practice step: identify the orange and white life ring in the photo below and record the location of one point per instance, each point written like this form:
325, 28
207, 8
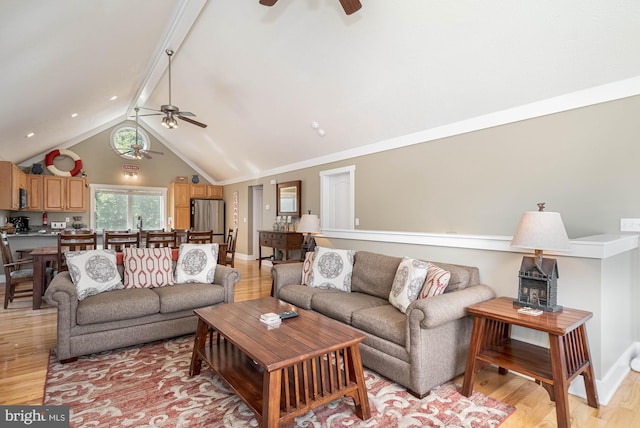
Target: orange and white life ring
48, 160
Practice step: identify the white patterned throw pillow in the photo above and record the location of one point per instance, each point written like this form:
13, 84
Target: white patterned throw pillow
332, 268
436, 282
196, 263
408, 282
93, 271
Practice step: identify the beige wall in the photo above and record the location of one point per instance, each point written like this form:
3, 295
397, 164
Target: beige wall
583, 163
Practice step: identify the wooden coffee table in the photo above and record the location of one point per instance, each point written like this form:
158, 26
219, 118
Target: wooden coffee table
281, 372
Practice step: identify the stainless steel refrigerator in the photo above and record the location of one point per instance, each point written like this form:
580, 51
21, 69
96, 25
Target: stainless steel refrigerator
208, 214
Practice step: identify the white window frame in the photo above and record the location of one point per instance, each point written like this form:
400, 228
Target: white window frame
328, 203
129, 190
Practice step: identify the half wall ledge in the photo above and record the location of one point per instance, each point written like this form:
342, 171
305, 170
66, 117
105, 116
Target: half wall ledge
592, 247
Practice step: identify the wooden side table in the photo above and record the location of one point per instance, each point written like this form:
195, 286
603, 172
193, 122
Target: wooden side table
567, 357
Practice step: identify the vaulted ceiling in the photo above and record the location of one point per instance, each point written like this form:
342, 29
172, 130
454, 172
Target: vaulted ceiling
393, 73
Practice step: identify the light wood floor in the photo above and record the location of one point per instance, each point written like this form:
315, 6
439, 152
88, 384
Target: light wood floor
26, 337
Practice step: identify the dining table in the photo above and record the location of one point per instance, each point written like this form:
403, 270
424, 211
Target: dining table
43, 256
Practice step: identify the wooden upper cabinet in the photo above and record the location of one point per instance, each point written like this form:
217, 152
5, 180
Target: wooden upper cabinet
76, 196
54, 190
214, 192
65, 193
35, 192
205, 191
198, 191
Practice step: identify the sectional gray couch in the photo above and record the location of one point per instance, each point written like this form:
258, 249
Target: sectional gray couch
421, 349
127, 317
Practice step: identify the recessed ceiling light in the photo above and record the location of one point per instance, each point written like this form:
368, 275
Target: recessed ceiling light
115, 97
74, 114
30, 134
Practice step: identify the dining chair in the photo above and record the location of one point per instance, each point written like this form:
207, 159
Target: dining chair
181, 236
231, 247
74, 242
17, 272
117, 240
200, 237
160, 239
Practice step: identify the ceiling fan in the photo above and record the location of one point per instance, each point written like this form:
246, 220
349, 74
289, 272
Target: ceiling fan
137, 150
349, 6
170, 111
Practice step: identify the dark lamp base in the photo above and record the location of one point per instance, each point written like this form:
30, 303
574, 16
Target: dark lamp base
556, 308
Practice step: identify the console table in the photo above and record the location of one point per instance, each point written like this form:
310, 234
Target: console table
568, 355
278, 240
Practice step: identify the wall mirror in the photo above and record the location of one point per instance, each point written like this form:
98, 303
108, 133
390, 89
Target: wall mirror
288, 198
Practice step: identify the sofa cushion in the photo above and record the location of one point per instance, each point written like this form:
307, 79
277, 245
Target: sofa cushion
179, 297
117, 305
384, 321
299, 295
147, 267
340, 305
196, 263
374, 273
331, 268
408, 282
93, 271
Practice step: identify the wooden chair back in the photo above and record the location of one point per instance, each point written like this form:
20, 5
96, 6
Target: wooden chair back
231, 247
74, 242
161, 239
117, 240
11, 274
200, 237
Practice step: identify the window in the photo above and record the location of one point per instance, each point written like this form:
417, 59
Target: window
337, 198
120, 207
124, 137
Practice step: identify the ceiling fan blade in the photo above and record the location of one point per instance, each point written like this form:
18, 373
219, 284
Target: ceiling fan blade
186, 113
153, 151
350, 6
145, 154
268, 2
194, 122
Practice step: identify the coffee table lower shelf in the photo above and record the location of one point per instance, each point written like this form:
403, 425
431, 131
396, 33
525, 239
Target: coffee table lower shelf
309, 383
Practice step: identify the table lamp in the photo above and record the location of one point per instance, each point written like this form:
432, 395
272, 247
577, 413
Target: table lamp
309, 224
539, 230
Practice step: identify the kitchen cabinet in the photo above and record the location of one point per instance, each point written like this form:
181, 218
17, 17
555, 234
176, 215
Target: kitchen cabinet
214, 192
35, 192
179, 205
13, 179
205, 191
65, 193
180, 195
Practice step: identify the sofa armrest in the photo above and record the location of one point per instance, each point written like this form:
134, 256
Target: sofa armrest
438, 310
285, 274
228, 278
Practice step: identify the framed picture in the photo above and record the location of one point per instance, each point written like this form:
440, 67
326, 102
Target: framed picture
288, 198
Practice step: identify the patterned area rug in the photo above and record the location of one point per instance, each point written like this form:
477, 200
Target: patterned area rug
150, 386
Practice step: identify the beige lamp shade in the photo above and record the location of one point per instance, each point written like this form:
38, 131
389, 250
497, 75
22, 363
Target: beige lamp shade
541, 230
309, 223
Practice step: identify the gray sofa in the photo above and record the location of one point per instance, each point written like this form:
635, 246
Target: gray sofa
127, 317
421, 349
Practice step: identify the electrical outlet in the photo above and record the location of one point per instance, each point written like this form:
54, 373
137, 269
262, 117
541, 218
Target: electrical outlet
630, 225
67, 219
